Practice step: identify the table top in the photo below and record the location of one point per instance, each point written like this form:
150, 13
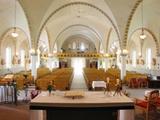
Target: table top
98, 84
10, 76
90, 99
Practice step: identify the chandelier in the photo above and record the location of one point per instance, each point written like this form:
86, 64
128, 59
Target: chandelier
14, 33
142, 35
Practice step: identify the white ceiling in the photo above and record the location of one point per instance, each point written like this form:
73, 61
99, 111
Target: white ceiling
34, 15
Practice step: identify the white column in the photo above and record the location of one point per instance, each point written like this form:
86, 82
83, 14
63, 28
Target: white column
98, 64
33, 65
158, 62
123, 66
49, 62
106, 60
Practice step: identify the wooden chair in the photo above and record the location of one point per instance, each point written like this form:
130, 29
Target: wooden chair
149, 106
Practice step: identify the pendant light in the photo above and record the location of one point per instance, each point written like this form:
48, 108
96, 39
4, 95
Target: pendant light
14, 33
142, 35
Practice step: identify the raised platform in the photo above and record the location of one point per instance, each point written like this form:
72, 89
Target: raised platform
93, 106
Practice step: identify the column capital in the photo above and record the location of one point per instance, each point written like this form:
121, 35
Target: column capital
123, 55
33, 54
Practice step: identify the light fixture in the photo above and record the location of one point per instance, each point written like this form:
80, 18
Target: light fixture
125, 51
142, 35
32, 51
107, 55
14, 33
50, 54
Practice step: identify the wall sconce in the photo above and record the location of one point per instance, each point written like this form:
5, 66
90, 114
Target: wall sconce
124, 52
32, 51
50, 54
107, 55
17, 53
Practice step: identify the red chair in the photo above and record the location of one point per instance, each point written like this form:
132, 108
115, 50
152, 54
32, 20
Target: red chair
142, 82
133, 83
34, 93
149, 106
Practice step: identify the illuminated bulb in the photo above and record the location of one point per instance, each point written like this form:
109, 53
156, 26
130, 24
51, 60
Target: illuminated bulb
54, 51
38, 51
32, 51
139, 54
142, 36
107, 55
14, 34
125, 51
118, 52
17, 54
50, 54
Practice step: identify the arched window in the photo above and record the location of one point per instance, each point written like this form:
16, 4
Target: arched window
148, 58
73, 45
8, 57
134, 57
82, 46
22, 53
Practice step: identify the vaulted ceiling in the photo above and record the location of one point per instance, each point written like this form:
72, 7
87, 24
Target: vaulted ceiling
95, 19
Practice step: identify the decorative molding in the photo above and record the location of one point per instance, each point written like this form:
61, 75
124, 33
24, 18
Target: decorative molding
79, 54
124, 43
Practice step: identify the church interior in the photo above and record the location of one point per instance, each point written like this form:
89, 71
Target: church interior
75, 48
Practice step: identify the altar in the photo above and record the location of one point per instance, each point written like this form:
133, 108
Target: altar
91, 106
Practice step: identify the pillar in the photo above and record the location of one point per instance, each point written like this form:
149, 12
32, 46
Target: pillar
106, 60
49, 62
34, 65
158, 62
123, 66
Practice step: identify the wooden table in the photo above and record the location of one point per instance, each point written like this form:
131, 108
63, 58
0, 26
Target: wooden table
93, 106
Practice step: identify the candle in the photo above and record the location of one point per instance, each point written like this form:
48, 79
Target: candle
107, 79
25, 66
118, 81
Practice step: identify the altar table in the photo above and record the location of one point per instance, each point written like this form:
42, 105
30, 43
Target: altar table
92, 106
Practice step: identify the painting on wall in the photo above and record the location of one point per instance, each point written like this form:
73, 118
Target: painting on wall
153, 61
2, 62
142, 62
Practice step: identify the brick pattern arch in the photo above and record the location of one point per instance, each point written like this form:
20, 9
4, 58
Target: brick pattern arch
80, 3
153, 36
11, 29
124, 43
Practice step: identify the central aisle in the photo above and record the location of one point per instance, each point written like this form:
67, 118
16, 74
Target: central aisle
78, 81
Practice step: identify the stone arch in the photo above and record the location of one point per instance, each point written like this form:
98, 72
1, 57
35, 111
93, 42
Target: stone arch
10, 29
79, 3
153, 36
88, 27
124, 41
